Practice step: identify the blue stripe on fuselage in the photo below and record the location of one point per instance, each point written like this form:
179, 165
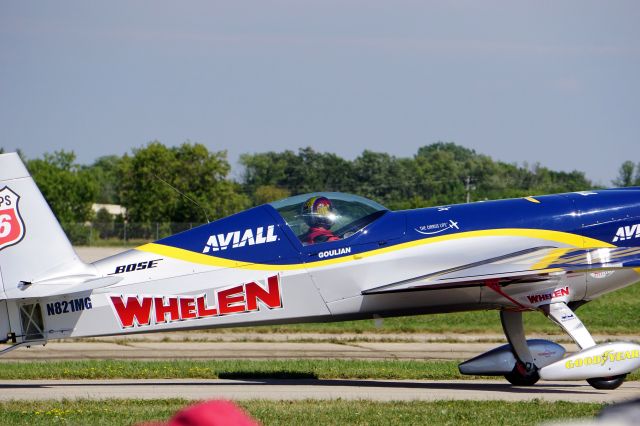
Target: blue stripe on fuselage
260, 235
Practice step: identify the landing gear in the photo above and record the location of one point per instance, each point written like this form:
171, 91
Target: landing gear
525, 372
607, 383
523, 362
520, 376
562, 315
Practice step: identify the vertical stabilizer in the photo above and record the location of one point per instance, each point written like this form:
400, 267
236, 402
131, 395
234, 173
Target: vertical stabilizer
33, 245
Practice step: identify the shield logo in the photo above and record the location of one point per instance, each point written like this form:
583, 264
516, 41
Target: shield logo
12, 227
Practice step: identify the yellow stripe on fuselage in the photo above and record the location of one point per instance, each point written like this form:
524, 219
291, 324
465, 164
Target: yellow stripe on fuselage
576, 241
550, 258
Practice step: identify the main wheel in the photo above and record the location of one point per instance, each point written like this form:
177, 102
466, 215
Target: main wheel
608, 383
520, 376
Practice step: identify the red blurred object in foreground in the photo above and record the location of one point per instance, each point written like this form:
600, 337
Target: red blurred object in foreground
210, 413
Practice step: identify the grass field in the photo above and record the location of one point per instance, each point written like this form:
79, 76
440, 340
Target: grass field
614, 313
235, 369
127, 412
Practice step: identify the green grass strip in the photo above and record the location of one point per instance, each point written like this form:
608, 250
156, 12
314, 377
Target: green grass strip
237, 369
127, 412
230, 369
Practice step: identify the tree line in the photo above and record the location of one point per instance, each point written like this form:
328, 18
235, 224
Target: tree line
189, 183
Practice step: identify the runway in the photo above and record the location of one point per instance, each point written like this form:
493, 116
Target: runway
245, 350
212, 346
376, 390
203, 346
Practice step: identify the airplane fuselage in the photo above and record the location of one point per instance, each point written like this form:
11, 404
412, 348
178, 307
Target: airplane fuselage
251, 269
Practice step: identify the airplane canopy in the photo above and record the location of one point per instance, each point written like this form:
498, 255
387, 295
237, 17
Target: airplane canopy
346, 214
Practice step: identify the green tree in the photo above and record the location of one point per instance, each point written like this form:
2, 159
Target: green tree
268, 193
439, 173
382, 177
68, 189
267, 169
106, 172
626, 176
550, 181
181, 184
104, 224
306, 171
441, 170
204, 177
65, 186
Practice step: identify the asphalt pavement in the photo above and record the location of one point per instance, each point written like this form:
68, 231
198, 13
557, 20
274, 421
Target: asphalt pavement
148, 350
375, 390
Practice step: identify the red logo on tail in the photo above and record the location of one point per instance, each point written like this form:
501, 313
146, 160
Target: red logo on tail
11, 224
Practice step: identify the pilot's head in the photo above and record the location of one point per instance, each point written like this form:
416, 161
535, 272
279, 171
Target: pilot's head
318, 212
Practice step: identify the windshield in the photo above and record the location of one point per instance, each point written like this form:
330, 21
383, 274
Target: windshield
327, 216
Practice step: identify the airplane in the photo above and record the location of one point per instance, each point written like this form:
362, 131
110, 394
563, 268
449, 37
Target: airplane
550, 254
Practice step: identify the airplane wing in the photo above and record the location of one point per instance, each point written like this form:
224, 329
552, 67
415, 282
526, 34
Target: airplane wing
531, 265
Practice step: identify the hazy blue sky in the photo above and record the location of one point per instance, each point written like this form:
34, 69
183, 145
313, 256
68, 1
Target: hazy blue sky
555, 82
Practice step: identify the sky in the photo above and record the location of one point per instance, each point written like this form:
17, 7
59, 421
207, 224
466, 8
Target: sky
549, 82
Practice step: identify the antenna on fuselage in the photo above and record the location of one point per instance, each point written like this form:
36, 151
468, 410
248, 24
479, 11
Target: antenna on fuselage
183, 194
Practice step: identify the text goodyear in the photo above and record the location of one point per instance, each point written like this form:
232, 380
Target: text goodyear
607, 356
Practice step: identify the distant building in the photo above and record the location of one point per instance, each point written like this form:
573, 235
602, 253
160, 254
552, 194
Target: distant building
113, 209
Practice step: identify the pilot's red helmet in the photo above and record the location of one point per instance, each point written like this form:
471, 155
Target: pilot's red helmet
318, 212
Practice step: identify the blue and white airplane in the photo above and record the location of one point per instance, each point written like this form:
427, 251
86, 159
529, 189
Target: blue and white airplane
333, 257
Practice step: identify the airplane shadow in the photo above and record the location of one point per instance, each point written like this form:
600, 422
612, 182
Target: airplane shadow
461, 386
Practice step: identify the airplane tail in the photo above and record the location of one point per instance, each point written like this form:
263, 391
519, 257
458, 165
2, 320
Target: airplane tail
36, 258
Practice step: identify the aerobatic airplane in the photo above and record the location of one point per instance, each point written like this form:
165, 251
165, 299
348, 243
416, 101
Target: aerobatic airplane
333, 257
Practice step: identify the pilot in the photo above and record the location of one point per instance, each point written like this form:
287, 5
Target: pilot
319, 214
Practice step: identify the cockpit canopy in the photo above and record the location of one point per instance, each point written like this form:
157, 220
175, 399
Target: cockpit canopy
343, 215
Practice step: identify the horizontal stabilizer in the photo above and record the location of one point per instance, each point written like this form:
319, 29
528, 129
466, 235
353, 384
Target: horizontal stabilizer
62, 285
